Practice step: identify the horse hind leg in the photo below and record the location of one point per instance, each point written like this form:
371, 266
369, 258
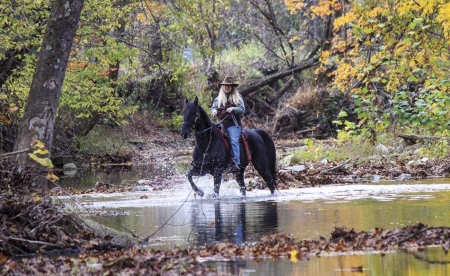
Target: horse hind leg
264, 171
268, 178
194, 187
270, 181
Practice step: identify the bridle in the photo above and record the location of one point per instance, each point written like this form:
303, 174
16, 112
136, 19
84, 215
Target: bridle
192, 125
193, 128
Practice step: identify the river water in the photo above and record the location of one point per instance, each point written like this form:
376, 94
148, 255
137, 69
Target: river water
177, 217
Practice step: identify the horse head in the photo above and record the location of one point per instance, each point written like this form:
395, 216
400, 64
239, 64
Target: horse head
190, 116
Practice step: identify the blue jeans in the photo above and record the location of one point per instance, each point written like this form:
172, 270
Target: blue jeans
234, 132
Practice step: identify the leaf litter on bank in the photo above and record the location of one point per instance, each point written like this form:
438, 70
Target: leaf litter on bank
179, 261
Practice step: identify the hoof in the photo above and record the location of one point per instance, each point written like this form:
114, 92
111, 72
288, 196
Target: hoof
200, 193
213, 195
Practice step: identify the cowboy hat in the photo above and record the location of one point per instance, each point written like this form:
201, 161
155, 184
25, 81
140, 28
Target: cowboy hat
228, 81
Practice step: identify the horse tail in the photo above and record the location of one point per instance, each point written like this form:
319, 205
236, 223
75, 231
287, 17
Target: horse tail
271, 152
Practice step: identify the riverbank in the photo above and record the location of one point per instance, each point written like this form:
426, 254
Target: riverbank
35, 224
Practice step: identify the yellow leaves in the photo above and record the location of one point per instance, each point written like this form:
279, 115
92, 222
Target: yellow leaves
326, 7
294, 5
11, 108
46, 162
141, 17
372, 45
53, 178
444, 18
323, 8
37, 198
293, 256
40, 149
294, 38
346, 18
428, 7
405, 7
325, 55
340, 45
377, 11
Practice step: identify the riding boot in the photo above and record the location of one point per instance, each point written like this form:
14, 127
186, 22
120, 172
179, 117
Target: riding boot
234, 167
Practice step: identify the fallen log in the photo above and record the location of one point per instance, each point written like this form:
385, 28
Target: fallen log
413, 138
244, 91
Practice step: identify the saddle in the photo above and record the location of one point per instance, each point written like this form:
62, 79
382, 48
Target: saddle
243, 139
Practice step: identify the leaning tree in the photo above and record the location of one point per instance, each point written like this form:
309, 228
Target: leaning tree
42, 103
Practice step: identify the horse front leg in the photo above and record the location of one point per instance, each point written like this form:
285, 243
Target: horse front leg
194, 187
240, 180
217, 181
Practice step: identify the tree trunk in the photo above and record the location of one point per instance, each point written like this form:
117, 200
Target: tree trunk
42, 102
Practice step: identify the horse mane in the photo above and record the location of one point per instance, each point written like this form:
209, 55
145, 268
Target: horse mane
204, 115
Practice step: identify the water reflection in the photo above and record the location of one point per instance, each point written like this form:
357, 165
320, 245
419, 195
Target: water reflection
433, 261
196, 223
231, 222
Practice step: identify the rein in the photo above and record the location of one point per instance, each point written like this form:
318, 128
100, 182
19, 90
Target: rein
206, 129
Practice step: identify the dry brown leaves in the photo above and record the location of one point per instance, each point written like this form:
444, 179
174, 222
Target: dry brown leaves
31, 222
342, 241
188, 261
128, 262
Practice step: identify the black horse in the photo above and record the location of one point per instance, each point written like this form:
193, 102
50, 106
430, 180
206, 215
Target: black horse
211, 156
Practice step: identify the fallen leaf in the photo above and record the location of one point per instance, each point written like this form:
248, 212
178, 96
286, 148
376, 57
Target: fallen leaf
53, 178
5, 119
3, 259
293, 256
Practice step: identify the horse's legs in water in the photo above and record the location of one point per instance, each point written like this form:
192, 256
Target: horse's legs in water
268, 178
217, 180
240, 180
194, 187
266, 175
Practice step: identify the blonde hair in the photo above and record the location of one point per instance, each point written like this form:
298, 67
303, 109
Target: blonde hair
222, 98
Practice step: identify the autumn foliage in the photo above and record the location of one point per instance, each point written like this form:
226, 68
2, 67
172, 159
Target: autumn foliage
392, 57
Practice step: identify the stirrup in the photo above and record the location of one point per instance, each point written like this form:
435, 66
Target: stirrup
234, 168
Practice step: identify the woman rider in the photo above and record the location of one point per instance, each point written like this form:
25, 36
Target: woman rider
229, 108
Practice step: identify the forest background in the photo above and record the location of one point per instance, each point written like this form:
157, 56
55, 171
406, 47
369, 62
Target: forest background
314, 68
